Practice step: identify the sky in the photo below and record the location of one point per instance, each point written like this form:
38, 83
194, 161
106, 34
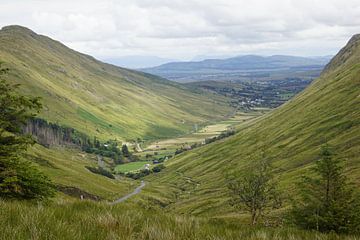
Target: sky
185, 29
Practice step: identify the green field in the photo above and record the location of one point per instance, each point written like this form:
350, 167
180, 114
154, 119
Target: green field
131, 167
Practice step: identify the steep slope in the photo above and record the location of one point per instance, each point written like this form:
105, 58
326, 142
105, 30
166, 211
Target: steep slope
97, 98
327, 111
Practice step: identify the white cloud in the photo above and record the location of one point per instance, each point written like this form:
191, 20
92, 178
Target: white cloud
185, 28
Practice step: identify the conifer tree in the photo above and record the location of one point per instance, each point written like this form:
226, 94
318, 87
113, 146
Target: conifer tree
18, 177
328, 201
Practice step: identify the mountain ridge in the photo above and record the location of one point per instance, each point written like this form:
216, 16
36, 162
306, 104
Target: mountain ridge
243, 59
242, 68
101, 99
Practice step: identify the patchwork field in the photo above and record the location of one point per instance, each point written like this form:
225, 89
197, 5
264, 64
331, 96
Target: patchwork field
203, 133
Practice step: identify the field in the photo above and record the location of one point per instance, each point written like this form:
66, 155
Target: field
130, 167
169, 146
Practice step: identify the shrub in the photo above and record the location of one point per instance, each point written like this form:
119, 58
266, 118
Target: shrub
158, 168
101, 171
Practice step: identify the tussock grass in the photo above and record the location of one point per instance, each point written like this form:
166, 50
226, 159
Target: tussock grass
90, 220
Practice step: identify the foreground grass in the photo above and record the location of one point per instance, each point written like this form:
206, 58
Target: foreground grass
90, 220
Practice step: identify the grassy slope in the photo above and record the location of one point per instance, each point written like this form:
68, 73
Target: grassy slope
67, 167
98, 98
327, 111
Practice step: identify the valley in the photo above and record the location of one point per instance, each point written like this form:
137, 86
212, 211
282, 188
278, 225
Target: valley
97, 151
291, 136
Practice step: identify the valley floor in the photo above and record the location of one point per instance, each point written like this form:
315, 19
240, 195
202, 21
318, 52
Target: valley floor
164, 147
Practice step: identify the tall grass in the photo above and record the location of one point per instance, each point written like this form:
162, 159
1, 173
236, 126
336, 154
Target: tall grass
90, 220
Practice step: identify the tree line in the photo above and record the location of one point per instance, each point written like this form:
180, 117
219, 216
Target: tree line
52, 134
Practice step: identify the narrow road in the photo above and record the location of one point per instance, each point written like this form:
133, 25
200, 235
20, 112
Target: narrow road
136, 191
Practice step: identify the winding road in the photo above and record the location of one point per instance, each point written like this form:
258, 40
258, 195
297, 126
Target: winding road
136, 191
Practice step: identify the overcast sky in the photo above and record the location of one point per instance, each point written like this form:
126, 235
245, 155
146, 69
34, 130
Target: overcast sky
183, 29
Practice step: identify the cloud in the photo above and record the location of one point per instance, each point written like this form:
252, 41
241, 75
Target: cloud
186, 28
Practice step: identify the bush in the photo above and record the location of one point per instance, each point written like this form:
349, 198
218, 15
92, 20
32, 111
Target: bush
221, 136
138, 175
178, 151
101, 171
158, 168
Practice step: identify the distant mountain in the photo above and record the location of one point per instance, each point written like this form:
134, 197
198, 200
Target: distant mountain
100, 99
199, 58
135, 62
238, 68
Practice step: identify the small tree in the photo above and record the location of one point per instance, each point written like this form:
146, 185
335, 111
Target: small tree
327, 201
18, 178
255, 190
125, 150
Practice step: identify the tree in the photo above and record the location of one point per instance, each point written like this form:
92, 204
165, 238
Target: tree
125, 150
327, 201
255, 190
18, 178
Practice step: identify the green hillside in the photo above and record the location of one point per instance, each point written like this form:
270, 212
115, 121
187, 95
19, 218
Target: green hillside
100, 99
291, 135
67, 168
